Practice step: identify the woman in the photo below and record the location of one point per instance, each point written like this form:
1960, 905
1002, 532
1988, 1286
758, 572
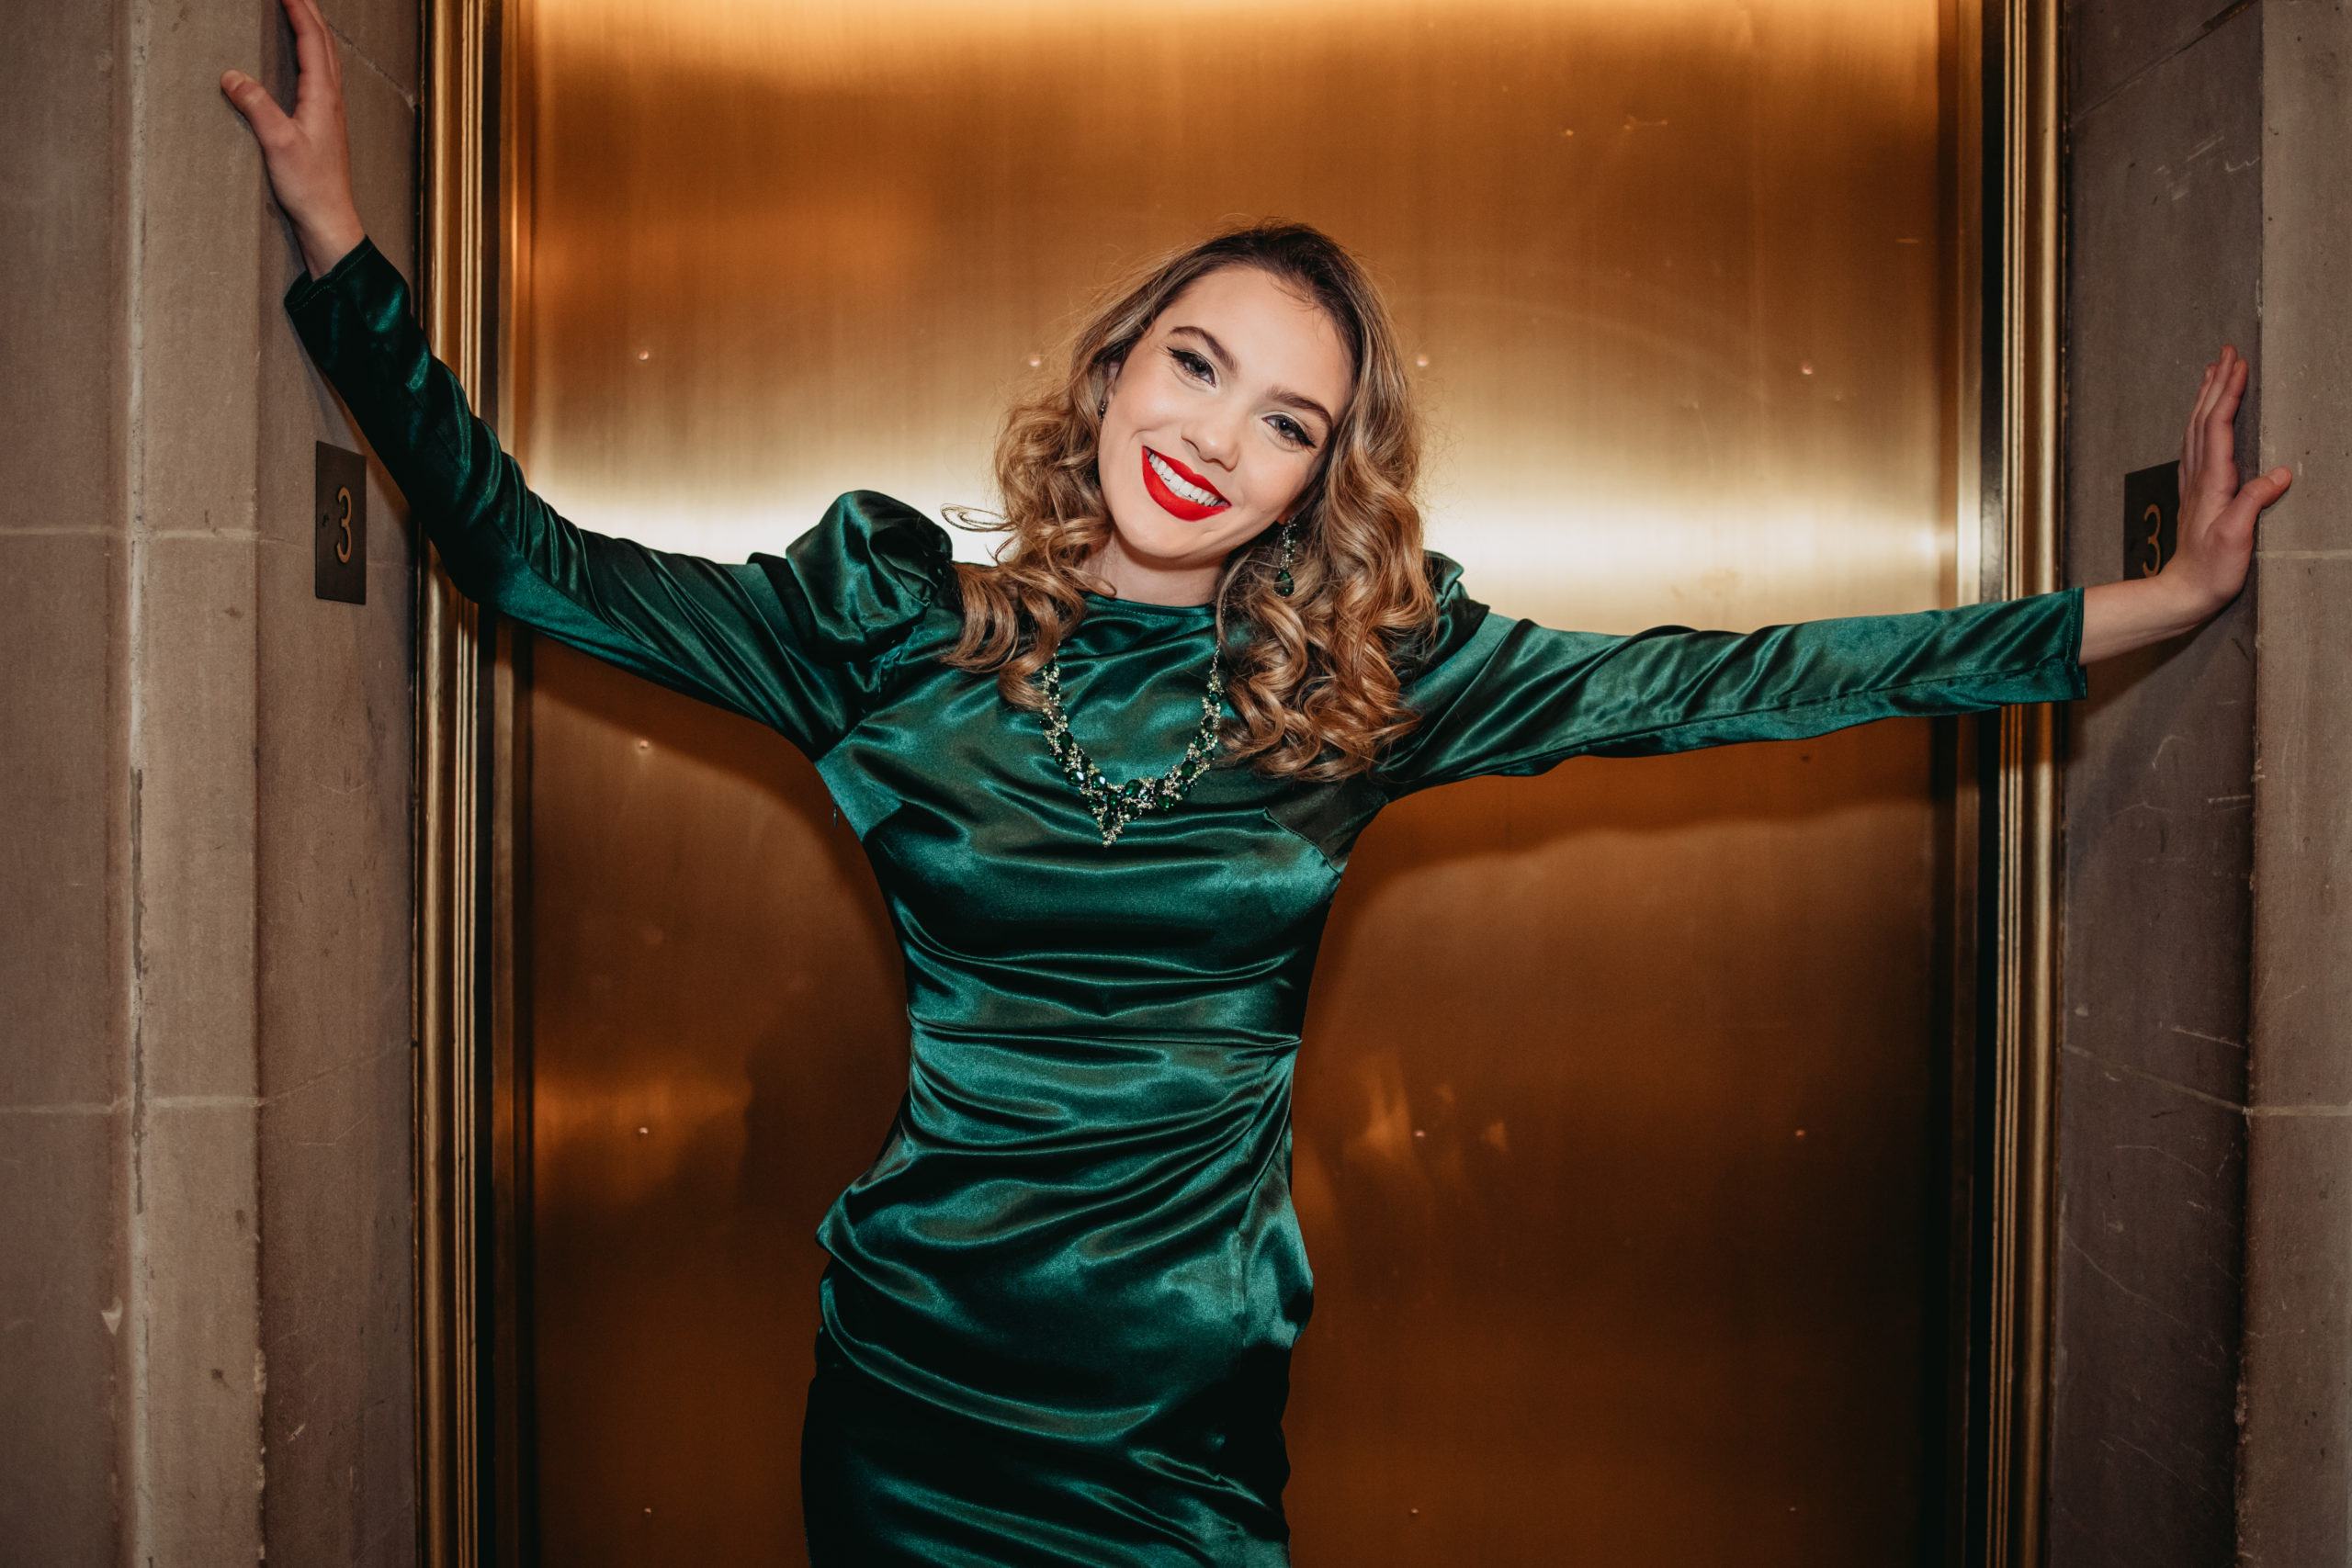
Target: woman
1058, 1321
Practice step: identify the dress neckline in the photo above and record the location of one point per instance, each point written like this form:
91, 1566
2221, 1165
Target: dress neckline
1097, 604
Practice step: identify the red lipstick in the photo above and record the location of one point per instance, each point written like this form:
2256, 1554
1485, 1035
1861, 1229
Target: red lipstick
1172, 502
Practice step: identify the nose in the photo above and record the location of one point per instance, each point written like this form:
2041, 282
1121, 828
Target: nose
1214, 438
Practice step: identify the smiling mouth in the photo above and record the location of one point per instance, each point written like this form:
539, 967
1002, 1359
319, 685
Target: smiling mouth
1179, 490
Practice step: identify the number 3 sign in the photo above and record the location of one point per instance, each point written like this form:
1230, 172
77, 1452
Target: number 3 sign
2150, 519
340, 513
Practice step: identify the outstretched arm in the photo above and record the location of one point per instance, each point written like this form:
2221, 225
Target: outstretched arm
1499, 695
307, 153
789, 641
2217, 516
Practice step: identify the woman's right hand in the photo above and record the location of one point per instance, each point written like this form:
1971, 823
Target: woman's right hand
307, 153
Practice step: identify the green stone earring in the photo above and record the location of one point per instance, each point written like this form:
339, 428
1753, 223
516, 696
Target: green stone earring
1282, 584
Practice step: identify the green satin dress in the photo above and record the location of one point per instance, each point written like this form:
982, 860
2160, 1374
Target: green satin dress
1059, 1317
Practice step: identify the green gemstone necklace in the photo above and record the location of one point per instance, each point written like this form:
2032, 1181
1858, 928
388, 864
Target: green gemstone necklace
1116, 805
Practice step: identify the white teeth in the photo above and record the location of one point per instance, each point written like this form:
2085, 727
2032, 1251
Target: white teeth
1189, 491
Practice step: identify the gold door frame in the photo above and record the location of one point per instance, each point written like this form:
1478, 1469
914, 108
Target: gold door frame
450, 774
2022, 814
473, 1158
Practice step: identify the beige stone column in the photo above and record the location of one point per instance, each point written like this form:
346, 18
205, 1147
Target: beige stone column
2295, 1499
204, 1312
2164, 259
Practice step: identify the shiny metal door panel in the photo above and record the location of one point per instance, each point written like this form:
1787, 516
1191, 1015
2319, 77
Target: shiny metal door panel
1617, 1118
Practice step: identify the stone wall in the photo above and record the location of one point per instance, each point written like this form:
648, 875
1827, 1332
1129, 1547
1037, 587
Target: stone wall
2204, 1309
2295, 1489
205, 1278
2163, 266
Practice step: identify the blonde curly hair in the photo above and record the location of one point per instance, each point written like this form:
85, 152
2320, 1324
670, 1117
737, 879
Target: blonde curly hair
1312, 677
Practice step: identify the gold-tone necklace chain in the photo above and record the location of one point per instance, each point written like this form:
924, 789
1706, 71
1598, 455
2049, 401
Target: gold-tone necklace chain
1116, 805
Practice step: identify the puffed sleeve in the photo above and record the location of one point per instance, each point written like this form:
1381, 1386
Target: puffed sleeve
795, 641
1497, 696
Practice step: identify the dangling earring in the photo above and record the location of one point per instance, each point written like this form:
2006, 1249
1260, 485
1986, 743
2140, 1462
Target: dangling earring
1282, 584
1104, 406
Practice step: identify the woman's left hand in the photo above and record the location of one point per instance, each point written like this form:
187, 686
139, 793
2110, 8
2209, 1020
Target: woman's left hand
2216, 532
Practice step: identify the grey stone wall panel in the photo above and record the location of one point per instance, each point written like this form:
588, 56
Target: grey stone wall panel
2304, 963
381, 38
60, 1301
2149, 1247
60, 315
2294, 1503
334, 713
2164, 257
193, 755
197, 1362
63, 935
60, 965
2110, 41
335, 1167
2294, 1507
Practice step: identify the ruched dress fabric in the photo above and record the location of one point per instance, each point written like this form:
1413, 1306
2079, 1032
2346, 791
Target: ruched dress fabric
1058, 1318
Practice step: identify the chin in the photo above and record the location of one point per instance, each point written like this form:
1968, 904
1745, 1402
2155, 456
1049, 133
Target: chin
1149, 535
1162, 541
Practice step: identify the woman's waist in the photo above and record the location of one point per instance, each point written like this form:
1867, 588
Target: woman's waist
1093, 1088
1108, 1000
1078, 1148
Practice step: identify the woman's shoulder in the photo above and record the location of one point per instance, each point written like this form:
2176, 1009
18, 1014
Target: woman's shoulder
865, 533
1445, 578
861, 578
1455, 619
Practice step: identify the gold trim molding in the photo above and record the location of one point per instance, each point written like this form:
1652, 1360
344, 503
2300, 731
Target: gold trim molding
2025, 810
450, 691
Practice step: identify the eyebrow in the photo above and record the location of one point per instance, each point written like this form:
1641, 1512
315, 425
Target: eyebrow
1281, 395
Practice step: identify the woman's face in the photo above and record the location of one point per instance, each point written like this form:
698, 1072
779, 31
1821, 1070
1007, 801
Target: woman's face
1218, 418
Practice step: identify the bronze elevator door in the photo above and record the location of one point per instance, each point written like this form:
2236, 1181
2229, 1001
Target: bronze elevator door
1617, 1126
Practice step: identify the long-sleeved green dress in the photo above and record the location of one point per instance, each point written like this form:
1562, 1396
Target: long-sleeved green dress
1059, 1317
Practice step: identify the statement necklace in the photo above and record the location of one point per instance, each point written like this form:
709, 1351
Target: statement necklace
1116, 805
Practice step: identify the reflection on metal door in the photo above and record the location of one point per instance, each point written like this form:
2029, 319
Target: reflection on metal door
1618, 1112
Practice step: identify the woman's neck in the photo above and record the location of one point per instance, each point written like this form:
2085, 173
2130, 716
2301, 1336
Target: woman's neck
1152, 582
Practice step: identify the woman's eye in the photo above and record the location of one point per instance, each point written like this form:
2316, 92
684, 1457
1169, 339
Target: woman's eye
1192, 363
1290, 430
